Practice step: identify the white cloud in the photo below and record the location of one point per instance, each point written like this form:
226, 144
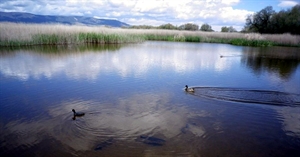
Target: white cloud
230, 2
143, 21
114, 14
121, 3
228, 14
285, 4
216, 12
87, 12
157, 6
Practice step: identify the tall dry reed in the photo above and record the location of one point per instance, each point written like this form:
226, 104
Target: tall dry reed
12, 34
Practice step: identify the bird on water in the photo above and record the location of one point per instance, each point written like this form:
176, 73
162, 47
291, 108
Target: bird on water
187, 89
77, 114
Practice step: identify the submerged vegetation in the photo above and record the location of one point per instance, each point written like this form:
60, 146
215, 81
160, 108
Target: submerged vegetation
16, 34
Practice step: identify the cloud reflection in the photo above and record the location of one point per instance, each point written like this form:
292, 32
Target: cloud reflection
133, 60
142, 114
290, 120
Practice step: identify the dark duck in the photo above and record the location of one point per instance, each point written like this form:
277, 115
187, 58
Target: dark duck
77, 114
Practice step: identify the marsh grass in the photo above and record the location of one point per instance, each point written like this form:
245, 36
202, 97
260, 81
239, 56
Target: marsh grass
244, 42
252, 39
18, 34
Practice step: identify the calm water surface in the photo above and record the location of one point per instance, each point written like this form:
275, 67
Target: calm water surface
246, 100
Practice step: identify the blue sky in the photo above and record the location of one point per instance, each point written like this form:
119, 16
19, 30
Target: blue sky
217, 13
257, 5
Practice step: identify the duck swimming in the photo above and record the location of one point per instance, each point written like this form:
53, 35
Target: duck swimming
77, 114
187, 89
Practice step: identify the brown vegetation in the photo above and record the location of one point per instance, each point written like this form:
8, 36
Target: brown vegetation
13, 34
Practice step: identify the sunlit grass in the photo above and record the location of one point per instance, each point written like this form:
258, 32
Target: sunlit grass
18, 34
252, 39
13, 34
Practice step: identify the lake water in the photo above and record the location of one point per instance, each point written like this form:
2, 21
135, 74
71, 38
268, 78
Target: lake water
246, 100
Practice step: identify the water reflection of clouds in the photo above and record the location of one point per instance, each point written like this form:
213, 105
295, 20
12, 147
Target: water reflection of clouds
143, 114
290, 120
131, 60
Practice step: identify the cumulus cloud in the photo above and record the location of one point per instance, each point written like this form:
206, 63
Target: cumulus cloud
230, 2
285, 4
139, 12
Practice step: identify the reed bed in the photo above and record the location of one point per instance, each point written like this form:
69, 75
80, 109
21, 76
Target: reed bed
19, 34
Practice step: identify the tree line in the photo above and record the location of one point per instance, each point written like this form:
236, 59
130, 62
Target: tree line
269, 21
264, 21
188, 26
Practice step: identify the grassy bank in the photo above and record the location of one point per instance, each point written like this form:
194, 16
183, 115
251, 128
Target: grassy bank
242, 39
12, 34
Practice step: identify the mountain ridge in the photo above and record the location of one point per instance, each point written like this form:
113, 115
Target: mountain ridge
70, 20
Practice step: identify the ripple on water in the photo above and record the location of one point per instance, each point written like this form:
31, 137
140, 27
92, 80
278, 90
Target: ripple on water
249, 96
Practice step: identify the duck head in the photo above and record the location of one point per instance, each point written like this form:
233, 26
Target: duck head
186, 87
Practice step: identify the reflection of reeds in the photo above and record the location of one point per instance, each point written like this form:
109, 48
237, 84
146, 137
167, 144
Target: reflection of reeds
63, 49
16, 34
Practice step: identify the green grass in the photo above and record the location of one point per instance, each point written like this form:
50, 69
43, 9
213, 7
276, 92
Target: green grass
237, 41
99, 38
193, 39
258, 43
159, 37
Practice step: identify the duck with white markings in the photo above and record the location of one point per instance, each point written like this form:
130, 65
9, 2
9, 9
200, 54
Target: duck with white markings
187, 89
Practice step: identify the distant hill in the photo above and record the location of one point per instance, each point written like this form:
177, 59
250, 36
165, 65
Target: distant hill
71, 20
